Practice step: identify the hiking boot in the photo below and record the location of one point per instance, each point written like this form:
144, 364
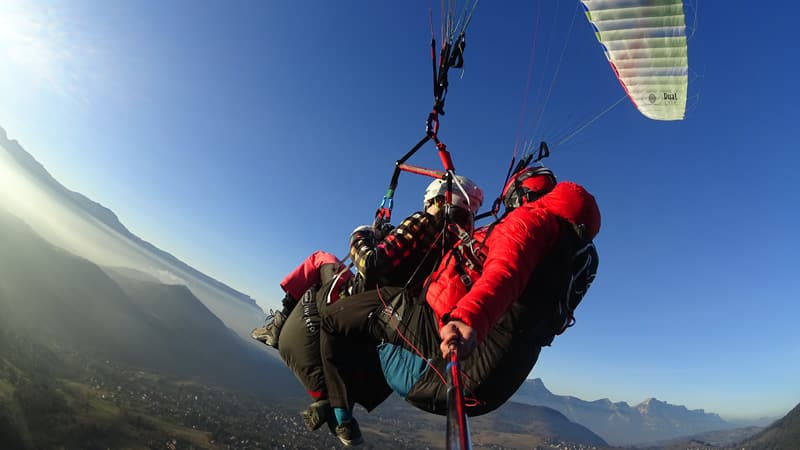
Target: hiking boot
271, 330
349, 433
318, 413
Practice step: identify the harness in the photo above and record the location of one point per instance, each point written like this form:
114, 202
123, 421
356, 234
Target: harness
584, 262
467, 255
558, 285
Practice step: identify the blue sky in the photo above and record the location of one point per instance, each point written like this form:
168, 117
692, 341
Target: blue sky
241, 136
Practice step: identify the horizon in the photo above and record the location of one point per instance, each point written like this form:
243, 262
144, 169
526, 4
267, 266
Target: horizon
241, 137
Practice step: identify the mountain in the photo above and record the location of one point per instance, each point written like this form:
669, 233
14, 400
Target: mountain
725, 439
783, 434
513, 425
73, 304
621, 424
83, 227
547, 423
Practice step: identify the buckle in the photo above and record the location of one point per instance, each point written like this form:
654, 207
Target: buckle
465, 279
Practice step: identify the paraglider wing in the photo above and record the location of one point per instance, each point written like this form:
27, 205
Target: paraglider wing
645, 43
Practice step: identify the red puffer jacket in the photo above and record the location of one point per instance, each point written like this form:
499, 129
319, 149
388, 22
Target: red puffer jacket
513, 249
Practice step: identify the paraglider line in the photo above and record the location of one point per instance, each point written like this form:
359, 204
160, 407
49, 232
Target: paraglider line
555, 74
591, 121
694, 22
528, 80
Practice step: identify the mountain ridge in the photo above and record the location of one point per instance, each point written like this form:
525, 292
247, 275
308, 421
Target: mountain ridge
72, 221
102, 213
620, 423
62, 298
783, 433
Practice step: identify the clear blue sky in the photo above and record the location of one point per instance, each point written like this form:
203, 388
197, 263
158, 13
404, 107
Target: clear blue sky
241, 136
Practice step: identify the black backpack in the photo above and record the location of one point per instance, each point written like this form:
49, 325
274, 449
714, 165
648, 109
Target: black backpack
559, 283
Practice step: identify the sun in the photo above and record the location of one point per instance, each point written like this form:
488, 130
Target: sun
31, 43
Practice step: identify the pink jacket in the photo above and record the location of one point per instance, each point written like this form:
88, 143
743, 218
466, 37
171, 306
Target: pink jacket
307, 274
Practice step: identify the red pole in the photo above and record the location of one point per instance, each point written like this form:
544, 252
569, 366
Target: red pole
457, 426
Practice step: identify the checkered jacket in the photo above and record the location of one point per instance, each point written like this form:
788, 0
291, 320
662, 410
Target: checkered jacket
410, 249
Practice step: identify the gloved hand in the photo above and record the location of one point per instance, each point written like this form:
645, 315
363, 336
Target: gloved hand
384, 231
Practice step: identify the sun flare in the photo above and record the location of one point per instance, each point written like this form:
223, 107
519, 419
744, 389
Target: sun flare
27, 40
38, 49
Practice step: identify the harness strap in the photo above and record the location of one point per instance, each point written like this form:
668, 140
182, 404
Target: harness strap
462, 273
466, 255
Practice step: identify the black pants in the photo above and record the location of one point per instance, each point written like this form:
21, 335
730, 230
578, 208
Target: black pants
491, 373
299, 346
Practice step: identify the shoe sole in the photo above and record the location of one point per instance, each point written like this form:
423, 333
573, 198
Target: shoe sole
265, 339
357, 440
257, 336
315, 416
351, 442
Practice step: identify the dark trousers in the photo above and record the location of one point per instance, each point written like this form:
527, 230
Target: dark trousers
491, 373
299, 346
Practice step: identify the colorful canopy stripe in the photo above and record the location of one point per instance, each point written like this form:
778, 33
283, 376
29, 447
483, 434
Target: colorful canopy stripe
645, 43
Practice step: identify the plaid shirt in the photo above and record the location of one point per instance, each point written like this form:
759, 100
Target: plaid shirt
410, 249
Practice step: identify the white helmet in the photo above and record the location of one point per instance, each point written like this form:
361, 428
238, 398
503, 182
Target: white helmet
465, 193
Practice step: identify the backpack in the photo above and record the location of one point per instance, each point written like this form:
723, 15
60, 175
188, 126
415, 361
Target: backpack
559, 283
